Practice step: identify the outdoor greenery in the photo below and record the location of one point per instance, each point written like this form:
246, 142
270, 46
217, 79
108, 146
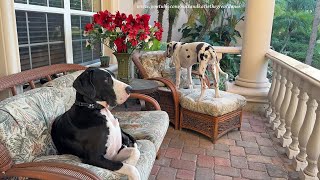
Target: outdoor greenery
292, 27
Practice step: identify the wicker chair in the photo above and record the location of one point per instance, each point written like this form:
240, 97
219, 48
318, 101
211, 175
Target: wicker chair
45, 170
168, 96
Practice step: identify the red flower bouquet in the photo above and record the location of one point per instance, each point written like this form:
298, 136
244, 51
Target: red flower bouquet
122, 33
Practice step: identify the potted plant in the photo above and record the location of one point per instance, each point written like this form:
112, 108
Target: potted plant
123, 34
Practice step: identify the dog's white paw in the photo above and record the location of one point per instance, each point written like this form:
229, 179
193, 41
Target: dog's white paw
130, 171
134, 157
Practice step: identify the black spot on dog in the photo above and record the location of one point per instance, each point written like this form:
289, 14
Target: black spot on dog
201, 56
188, 56
186, 49
206, 56
207, 48
183, 43
174, 46
199, 46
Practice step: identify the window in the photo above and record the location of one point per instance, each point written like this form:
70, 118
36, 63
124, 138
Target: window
41, 39
52, 3
41, 27
80, 53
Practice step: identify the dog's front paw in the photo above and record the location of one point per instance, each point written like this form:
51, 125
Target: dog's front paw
130, 171
134, 156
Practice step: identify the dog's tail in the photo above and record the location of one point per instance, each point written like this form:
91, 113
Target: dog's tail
214, 54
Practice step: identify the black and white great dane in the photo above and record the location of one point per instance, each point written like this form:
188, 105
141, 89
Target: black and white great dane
184, 55
89, 130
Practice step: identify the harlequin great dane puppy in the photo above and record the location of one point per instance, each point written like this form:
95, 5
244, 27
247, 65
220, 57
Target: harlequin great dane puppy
89, 130
187, 54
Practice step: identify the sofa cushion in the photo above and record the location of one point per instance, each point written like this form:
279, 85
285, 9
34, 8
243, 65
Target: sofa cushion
150, 125
25, 122
210, 105
144, 165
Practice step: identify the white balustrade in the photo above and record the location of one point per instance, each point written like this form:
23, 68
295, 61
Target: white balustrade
275, 94
274, 75
280, 97
285, 105
297, 121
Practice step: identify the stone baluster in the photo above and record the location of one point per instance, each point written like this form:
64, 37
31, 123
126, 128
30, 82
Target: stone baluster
286, 138
313, 146
285, 105
274, 79
299, 163
297, 121
275, 94
279, 100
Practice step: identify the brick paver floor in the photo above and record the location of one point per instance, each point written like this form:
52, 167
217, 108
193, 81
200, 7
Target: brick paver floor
252, 153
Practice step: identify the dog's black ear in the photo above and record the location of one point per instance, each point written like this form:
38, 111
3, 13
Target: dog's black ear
83, 84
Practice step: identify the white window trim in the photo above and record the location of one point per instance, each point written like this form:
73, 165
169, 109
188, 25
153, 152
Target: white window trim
67, 20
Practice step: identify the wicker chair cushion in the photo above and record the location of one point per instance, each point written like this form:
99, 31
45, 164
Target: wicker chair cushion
150, 125
144, 165
170, 73
210, 105
25, 122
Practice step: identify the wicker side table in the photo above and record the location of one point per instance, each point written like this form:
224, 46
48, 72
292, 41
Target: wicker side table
212, 117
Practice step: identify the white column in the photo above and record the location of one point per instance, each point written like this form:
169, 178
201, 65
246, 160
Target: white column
271, 90
297, 121
256, 42
285, 105
286, 139
68, 33
280, 97
313, 148
252, 80
9, 47
299, 163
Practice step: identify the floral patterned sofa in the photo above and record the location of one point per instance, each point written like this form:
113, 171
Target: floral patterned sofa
25, 122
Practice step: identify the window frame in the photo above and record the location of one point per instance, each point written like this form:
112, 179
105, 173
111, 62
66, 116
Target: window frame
67, 12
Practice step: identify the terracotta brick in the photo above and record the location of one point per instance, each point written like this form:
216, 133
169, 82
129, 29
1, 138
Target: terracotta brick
222, 147
188, 157
249, 138
253, 151
227, 171
259, 129
268, 151
176, 143
218, 153
182, 164
191, 143
165, 143
185, 174
276, 171
247, 144
251, 174
264, 141
239, 162
246, 127
163, 161
205, 161
256, 122
220, 177
218, 161
166, 173
155, 169
152, 177
235, 135
173, 153
237, 151
204, 143
257, 166
204, 174
194, 150
240, 179
278, 161
229, 142
258, 158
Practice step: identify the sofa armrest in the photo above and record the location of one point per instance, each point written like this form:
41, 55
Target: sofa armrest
49, 171
147, 99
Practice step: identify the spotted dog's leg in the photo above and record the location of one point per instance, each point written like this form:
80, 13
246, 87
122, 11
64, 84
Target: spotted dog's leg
190, 84
202, 70
215, 75
178, 74
129, 155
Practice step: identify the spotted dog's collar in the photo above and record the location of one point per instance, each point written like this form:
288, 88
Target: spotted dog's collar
89, 105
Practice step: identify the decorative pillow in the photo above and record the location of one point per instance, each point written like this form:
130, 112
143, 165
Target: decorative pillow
170, 73
153, 62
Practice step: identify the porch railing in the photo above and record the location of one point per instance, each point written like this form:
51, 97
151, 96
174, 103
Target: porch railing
294, 113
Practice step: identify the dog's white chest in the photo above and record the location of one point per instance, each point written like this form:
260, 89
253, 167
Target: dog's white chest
114, 141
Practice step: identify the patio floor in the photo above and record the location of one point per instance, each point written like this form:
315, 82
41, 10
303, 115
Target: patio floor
252, 153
